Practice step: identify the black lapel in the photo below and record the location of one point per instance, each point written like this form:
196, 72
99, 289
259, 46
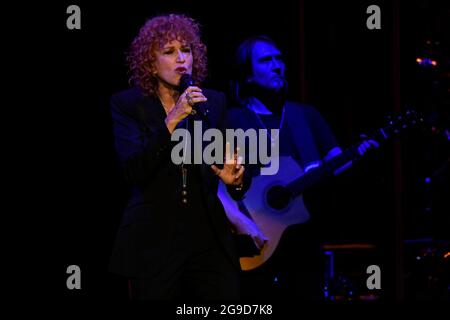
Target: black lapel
151, 111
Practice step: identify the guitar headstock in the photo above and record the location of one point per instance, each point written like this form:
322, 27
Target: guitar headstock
399, 123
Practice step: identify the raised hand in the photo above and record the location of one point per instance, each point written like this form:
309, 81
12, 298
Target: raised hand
233, 170
184, 106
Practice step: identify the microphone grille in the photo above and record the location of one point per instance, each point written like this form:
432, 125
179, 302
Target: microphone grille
185, 81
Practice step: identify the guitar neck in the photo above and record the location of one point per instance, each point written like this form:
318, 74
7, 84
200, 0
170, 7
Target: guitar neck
327, 168
322, 172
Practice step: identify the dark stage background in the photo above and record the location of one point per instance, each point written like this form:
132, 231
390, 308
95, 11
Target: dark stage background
354, 76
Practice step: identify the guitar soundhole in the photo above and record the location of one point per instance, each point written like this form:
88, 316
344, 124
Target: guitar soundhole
278, 197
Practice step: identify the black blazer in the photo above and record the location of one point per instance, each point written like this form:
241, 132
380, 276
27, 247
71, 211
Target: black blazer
143, 145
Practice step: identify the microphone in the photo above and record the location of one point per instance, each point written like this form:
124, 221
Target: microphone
185, 82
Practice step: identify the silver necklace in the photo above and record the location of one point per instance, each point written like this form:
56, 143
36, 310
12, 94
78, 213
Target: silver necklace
184, 171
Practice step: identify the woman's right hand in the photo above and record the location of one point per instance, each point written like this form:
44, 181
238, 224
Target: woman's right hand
183, 107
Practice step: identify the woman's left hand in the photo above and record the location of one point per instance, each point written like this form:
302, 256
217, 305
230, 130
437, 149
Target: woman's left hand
366, 144
233, 170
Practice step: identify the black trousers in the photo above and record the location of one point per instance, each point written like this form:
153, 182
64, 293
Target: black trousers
203, 273
294, 272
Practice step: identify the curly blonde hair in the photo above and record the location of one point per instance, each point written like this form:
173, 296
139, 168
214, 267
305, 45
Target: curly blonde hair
155, 33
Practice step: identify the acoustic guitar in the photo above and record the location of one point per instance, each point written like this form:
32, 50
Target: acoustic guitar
275, 202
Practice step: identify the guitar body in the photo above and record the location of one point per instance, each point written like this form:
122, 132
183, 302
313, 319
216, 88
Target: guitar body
271, 221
